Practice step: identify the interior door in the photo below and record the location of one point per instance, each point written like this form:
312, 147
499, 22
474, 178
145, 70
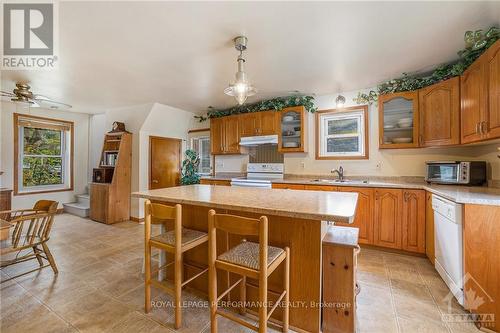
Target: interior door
164, 162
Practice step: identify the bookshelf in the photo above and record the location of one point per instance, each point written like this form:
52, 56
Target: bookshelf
111, 182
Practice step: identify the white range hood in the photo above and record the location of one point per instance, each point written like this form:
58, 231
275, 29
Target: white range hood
259, 140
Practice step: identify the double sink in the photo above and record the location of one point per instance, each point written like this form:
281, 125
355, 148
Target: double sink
338, 181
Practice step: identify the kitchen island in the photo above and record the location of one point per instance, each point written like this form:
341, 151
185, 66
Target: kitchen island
296, 219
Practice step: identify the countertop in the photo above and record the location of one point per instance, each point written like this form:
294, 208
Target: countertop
312, 205
479, 195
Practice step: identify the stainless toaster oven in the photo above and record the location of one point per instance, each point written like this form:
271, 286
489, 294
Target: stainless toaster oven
456, 172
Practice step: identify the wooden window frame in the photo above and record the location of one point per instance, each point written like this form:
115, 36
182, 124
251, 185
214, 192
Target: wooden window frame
198, 137
364, 110
16, 155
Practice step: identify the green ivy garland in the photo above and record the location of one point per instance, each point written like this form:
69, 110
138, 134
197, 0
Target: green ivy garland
476, 42
276, 104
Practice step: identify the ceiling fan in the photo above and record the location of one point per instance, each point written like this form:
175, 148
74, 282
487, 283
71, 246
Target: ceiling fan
23, 94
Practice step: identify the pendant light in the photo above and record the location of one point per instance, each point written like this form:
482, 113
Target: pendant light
241, 88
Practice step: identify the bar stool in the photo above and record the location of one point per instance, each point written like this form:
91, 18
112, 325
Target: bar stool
176, 241
248, 259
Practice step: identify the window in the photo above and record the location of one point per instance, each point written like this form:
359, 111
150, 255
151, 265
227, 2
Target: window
43, 154
342, 134
202, 146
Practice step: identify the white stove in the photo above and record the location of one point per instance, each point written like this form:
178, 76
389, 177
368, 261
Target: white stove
260, 175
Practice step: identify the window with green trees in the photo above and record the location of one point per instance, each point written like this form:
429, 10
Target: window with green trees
44, 154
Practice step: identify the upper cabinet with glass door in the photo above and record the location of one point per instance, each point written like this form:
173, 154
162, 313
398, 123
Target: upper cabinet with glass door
292, 127
398, 120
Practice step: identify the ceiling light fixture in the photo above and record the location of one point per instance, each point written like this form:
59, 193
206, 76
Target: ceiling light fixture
241, 88
340, 101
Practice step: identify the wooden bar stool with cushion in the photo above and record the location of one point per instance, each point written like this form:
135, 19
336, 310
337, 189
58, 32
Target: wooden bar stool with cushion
248, 259
176, 241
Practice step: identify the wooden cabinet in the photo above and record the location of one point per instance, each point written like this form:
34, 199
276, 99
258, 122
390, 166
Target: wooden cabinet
225, 135
289, 186
480, 97
216, 136
413, 221
110, 202
219, 182
231, 135
268, 123
292, 130
258, 123
5, 199
340, 250
387, 221
320, 188
482, 262
439, 109
491, 125
473, 102
429, 227
398, 120
364, 213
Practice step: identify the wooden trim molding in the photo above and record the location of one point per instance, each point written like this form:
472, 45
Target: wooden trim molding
136, 219
199, 130
318, 114
16, 154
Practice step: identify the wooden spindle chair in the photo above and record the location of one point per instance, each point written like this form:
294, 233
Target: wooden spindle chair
30, 231
247, 259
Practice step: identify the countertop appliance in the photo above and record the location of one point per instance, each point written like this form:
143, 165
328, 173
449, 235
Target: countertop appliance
260, 175
448, 240
456, 172
258, 140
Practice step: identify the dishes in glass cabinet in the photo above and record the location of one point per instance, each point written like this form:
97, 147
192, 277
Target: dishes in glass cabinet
405, 122
290, 144
387, 126
402, 140
288, 118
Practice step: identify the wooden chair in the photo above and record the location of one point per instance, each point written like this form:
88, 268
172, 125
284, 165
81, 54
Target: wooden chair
31, 229
176, 241
248, 259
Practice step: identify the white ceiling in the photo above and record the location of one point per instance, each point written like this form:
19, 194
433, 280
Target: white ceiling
180, 53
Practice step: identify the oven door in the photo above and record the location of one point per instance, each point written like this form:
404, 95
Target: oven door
447, 173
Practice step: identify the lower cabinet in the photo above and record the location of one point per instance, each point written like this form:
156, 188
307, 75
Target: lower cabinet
215, 182
387, 222
290, 186
364, 213
413, 221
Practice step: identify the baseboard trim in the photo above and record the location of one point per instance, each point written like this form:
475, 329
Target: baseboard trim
136, 219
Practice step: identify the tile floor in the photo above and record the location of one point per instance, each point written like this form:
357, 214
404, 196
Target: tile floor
100, 289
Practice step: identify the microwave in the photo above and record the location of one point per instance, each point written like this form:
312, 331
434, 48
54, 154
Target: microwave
456, 172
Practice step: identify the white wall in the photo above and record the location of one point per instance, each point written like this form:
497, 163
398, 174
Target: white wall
81, 149
389, 162
143, 121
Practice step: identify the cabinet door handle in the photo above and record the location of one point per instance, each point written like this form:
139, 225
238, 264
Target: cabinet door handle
420, 139
484, 127
478, 125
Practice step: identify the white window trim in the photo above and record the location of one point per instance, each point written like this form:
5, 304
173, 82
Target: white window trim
65, 167
358, 113
210, 158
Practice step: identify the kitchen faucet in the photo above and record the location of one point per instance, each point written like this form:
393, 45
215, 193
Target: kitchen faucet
340, 172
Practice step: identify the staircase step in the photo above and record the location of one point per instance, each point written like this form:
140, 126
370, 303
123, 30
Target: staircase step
77, 208
83, 198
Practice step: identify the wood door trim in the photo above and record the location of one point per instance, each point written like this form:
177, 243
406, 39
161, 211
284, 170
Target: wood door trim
150, 155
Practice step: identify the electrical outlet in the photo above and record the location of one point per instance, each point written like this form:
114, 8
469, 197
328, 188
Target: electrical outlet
378, 166
303, 165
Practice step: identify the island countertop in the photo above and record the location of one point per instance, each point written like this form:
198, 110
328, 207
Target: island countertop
313, 205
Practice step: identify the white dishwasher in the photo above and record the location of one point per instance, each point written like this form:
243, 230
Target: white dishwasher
448, 239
